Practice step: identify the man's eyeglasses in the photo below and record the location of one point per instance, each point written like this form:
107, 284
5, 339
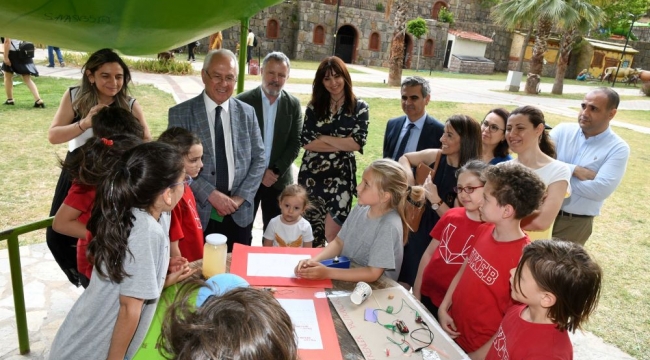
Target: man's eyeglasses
493, 127
188, 180
466, 189
217, 79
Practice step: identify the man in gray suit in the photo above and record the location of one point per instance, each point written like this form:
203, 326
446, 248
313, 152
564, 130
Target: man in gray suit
280, 120
233, 151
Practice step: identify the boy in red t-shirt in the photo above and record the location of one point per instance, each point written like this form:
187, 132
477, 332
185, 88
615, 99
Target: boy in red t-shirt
478, 298
558, 285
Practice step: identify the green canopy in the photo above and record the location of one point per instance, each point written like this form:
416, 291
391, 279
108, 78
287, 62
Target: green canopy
133, 27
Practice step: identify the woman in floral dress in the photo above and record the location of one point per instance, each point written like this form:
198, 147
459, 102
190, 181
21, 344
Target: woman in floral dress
336, 125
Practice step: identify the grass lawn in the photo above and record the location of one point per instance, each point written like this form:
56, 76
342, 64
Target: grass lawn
620, 243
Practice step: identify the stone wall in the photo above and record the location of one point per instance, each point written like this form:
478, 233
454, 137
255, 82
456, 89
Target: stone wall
469, 11
470, 67
642, 33
642, 59
298, 19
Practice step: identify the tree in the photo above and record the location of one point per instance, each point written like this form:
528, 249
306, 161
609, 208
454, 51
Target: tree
544, 13
418, 28
616, 12
586, 17
396, 61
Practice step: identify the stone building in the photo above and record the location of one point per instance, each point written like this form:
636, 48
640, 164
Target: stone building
359, 32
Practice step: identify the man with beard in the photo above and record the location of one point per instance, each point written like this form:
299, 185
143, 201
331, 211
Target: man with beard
280, 118
597, 158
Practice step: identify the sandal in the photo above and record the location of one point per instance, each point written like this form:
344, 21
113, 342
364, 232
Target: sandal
9, 102
39, 104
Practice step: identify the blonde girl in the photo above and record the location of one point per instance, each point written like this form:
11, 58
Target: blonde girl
374, 234
290, 228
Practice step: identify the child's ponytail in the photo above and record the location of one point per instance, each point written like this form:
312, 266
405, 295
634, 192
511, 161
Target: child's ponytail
137, 180
391, 178
94, 161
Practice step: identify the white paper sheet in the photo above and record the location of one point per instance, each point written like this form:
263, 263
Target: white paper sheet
303, 316
80, 140
276, 265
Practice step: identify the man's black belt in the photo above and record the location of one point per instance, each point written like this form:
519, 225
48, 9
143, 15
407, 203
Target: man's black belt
564, 213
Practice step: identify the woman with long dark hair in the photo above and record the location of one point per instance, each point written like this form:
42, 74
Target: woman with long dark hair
104, 82
461, 142
336, 125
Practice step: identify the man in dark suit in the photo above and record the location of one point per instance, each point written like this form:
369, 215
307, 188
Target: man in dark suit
280, 119
233, 151
416, 130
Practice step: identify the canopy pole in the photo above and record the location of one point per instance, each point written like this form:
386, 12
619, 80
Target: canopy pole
243, 49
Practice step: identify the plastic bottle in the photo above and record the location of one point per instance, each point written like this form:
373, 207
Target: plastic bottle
215, 253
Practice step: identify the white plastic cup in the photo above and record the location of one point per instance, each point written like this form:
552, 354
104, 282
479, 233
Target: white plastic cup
361, 292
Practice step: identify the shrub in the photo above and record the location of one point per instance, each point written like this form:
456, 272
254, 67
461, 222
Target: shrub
172, 67
379, 7
446, 16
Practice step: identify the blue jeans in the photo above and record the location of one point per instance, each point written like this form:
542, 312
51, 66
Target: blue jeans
50, 55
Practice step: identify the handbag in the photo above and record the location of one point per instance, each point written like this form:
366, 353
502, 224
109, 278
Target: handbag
415, 209
26, 51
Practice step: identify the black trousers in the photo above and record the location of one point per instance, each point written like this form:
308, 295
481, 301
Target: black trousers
232, 231
268, 197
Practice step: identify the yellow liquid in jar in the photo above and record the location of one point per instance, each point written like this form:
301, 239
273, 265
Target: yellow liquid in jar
214, 260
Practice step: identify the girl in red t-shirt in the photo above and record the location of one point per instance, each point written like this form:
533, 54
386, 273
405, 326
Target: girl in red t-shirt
88, 167
186, 232
451, 239
558, 286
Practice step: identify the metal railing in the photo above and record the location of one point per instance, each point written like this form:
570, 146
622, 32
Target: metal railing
11, 235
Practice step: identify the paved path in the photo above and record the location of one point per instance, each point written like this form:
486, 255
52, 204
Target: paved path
49, 295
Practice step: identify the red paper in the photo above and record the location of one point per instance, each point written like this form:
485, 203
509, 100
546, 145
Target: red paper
331, 348
239, 264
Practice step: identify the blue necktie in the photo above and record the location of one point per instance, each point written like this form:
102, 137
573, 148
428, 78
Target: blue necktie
405, 140
220, 153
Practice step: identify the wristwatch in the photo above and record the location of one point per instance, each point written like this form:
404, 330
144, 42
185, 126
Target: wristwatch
436, 206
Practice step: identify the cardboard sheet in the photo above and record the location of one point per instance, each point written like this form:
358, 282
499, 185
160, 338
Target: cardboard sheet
312, 319
372, 338
272, 266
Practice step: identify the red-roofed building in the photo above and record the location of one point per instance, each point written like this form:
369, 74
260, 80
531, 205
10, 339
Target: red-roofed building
466, 53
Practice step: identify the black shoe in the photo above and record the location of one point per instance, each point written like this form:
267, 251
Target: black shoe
38, 104
50, 66
9, 102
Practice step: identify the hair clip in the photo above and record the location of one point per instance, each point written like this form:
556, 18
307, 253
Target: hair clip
107, 142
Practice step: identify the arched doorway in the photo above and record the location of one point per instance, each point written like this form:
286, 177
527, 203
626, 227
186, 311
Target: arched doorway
346, 38
408, 51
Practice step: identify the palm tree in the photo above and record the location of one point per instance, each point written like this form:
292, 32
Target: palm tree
542, 12
588, 15
396, 61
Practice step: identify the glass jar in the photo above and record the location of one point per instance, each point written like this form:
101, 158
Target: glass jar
215, 253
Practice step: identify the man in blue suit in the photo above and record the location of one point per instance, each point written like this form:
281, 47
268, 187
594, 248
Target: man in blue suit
416, 130
233, 151
280, 118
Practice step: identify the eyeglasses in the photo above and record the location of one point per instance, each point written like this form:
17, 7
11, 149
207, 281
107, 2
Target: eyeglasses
188, 180
217, 79
493, 128
466, 189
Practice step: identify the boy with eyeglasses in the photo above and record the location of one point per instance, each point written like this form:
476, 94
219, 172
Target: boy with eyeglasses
479, 294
